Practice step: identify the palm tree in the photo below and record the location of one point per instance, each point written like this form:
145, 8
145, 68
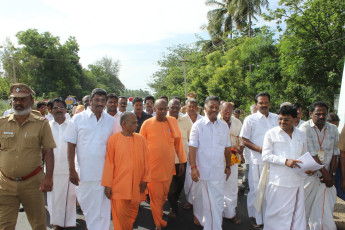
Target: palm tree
248, 9
221, 20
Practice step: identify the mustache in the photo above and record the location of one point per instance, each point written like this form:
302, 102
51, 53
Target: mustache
19, 106
99, 106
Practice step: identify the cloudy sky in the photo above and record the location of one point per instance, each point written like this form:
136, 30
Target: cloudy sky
136, 32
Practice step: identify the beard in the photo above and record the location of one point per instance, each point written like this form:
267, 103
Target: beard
22, 112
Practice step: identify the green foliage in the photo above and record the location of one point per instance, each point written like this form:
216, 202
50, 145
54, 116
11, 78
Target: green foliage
52, 69
135, 93
304, 65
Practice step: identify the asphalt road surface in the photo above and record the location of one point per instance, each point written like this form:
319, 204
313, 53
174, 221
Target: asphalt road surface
183, 221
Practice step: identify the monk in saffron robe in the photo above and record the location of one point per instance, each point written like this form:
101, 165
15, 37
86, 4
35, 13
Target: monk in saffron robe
164, 139
126, 172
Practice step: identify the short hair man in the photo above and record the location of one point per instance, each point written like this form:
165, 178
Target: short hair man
164, 98
298, 120
24, 136
126, 172
333, 119
177, 183
112, 103
237, 114
192, 95
231, 185
149, 101
86, 101
320, 193
87, 134
193, 115
283, 145
42, 107
62, 199
49, 116
122, 103
253, 131
164, 141
139, 113
209, 154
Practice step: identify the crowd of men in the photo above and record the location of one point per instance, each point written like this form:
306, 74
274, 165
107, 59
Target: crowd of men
110, 160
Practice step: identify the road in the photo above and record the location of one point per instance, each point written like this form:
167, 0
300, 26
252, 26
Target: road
184, 220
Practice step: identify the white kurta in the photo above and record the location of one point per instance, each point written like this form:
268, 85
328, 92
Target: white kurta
284, 192
189, 183
91, 137
210, 139
231, 185
254, 128
62, 199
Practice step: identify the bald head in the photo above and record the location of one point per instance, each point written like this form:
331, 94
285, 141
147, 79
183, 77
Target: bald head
161, 109
128, 123
174, 107
226, 111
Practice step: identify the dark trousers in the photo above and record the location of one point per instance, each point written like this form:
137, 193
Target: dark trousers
176, 187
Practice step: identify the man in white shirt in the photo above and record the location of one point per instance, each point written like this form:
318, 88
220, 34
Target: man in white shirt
284, 192
193, 116
87, 134
253, 131
111, 107
231, 185
298, 120
177, 183
209, 155
319, 190
149, 101
62, 199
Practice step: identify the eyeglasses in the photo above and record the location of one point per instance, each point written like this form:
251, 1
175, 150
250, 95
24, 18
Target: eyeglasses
56, 108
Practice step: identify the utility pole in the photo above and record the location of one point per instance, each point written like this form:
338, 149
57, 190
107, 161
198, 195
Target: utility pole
14, 70
185, 77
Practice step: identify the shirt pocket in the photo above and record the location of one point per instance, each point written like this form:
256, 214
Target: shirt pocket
31, 142
7, 141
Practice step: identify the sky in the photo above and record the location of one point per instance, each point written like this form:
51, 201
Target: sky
135, 32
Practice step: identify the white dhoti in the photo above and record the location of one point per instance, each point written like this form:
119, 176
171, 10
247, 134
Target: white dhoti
254, 178
95, 205
209, 203
62, 202
319, 204
285, 208
231, 193
189, 185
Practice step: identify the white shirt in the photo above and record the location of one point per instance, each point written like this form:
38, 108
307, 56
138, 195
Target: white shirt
60, 152
67, 116
254, 129
153, 113
91, 137
7, 112
210, 139
278, 146
300, 123
198, 117
49, 117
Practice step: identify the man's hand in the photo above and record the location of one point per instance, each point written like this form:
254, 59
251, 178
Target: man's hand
142, 186
181, 170
227, 171
47, 184
73, 177
327, 179
108, 192
195, 174
310, 172
292, 163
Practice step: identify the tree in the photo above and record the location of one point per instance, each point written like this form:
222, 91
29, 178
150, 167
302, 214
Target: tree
310, 55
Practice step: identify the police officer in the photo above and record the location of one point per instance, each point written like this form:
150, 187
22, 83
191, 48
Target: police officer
24, 136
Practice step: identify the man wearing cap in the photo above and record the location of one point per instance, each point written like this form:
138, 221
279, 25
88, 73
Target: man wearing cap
23, 136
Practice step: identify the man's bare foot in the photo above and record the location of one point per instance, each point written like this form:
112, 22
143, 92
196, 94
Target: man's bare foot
158, 228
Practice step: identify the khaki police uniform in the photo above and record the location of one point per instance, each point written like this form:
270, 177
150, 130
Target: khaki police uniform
20, 156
